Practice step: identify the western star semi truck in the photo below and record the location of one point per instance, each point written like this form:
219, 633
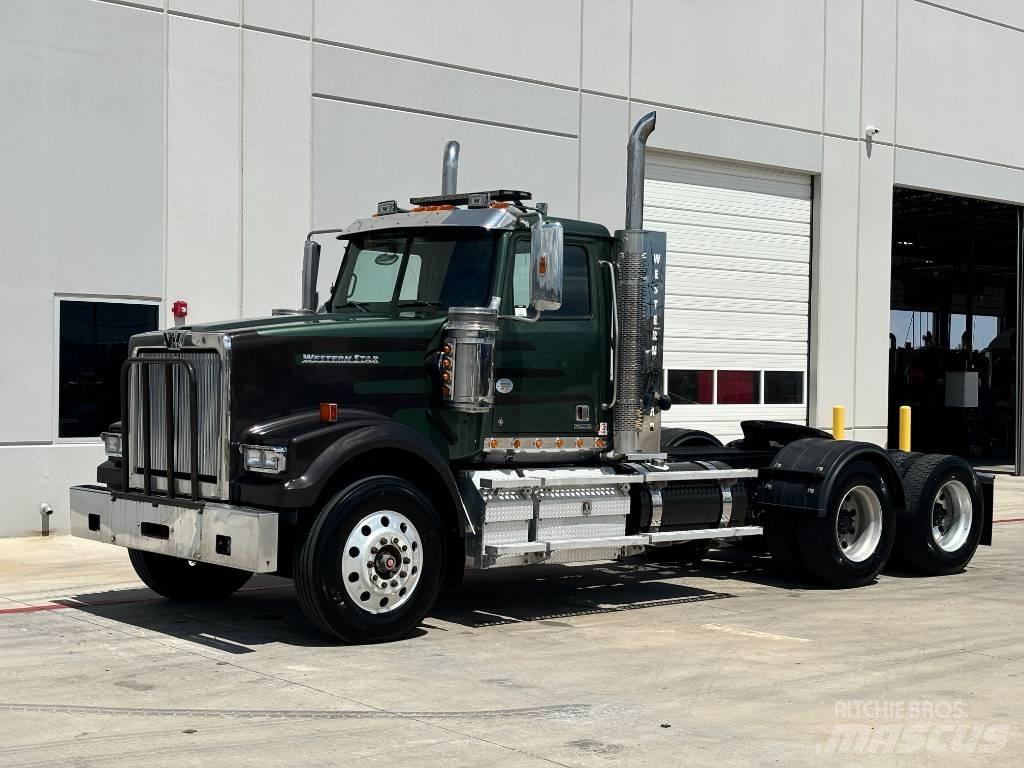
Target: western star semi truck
482, 388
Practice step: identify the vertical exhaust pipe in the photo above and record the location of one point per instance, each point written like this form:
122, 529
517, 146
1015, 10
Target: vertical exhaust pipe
635, 163
450, 169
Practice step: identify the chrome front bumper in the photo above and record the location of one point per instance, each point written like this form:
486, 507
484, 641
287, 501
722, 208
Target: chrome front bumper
221, 534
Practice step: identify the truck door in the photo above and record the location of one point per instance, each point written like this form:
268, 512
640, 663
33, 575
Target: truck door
551, 375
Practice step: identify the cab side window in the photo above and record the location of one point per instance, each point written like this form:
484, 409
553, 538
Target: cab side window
575, 282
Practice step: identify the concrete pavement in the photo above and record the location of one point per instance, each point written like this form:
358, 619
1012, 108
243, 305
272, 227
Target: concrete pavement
631, 663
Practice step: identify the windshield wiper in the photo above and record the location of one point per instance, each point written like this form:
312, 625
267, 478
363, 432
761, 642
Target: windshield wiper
357, 304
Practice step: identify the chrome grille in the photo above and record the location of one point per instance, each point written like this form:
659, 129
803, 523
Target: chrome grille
209, 374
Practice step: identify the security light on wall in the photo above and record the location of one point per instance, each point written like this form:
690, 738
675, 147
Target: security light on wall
870, 132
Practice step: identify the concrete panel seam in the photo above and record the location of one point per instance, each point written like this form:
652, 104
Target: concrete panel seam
959, 12
127, 4
752, 121
959, 157
429, 113
446, 65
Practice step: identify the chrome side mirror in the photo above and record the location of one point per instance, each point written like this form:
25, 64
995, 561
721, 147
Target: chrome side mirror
545, 265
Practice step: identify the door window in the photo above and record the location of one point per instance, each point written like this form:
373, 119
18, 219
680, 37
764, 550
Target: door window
575, 282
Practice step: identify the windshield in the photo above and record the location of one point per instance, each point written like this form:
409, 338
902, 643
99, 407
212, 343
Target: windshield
385, 272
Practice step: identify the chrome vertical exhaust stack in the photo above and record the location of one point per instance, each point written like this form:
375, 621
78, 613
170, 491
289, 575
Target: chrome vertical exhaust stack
450, 169
641, 316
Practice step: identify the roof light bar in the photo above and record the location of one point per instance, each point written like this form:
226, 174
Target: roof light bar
475, 199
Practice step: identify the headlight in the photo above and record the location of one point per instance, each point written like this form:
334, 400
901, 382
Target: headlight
111, 443
269, 459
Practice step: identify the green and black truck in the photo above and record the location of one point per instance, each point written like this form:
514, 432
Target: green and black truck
482, 388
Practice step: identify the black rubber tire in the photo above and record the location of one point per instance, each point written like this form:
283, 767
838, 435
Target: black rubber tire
816, 534
915, 544
186, 580
318, 574
780, 536
902, 458
687, 553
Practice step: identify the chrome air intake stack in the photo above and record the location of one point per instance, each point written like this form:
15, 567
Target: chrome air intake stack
641, 315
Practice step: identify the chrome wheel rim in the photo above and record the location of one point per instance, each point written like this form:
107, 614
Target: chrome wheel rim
859, 524
952, 516
382, 562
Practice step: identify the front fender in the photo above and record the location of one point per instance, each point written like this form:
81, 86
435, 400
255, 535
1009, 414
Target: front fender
317, 452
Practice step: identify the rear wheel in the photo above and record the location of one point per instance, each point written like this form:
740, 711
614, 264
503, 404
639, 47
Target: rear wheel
178, 579
848, 546
370, 568
940, 529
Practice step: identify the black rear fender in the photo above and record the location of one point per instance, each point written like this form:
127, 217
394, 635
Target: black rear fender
801, 476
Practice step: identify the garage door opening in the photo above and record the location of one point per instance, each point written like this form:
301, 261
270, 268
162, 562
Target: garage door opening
953, 324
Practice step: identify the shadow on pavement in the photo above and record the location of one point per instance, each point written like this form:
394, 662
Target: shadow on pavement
266, 610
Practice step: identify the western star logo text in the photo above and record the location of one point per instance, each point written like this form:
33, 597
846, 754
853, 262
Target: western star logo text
313, 359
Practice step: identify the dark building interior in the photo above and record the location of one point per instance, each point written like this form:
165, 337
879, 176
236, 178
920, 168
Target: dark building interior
953, 324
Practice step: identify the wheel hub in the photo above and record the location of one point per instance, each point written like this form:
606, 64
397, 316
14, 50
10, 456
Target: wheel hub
952, 516
382, 561
859, 523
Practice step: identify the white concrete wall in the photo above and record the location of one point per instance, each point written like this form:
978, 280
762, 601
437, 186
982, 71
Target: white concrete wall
179, 149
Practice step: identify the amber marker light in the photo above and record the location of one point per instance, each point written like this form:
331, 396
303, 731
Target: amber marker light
599, 443
579, 442
446, 376
493, 443
538, 443
446, 362
559, 443
446, 348
517, 443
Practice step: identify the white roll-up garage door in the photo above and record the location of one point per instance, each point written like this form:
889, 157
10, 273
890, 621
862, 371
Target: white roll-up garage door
738, 290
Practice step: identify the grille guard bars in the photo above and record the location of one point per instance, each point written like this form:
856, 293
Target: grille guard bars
193, 411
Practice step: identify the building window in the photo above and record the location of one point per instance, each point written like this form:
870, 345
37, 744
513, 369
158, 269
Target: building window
93, 344
739, 387
691, 387
783, 387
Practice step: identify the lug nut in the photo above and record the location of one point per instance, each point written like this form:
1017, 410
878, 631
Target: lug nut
394, 583
373, 550
394, 540
383, 542
404, 547
405, 560
403, 574
373, 577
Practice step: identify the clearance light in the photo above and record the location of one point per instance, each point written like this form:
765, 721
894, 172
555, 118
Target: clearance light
446, 348
517, 443
111, 443
559, 443
579, 442
493, 443
446, 362
538, 443
446, 391
446, 376
268, 459
599, 443
328, 413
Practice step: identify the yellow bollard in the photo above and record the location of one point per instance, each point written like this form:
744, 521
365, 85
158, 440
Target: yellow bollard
905, 428
838, 422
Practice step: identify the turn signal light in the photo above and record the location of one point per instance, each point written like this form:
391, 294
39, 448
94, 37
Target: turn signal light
579, 442
599, 443
328, 412
559, 443
446, 348
517, 443
493, 443
538, 443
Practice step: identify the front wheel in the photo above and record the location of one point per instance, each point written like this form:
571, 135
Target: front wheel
185, 580
370, 568
850, 544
